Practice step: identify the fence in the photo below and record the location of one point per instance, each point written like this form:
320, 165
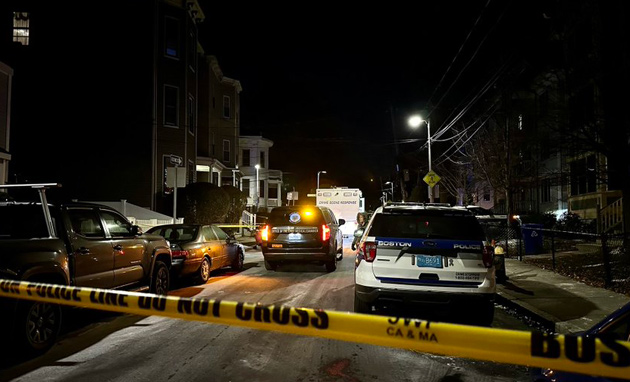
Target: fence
508, 237
597, 259
150, 223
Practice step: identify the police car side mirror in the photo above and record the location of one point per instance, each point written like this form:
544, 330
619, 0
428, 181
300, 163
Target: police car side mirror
358, 233
342, 221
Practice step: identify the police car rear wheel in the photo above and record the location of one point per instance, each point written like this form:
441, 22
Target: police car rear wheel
331, 266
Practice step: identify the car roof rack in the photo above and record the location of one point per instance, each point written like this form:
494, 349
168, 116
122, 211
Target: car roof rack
41, 189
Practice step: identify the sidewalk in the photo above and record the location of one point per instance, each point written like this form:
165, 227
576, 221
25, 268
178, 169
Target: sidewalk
558, 302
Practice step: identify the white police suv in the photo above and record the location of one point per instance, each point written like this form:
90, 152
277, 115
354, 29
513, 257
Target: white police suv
422, 254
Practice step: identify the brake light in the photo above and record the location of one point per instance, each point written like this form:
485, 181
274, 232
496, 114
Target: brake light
369, 251
180, 254
325, 232
488, 256
264, 233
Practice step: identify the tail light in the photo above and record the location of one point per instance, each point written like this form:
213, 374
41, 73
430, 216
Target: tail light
488, 256
264, 233
325, 232
180, 254
369, 251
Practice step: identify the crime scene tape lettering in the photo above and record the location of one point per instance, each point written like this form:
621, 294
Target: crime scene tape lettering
600, 356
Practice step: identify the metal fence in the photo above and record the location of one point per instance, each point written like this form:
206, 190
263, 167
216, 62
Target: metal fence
600, 259
508, 237
596, 259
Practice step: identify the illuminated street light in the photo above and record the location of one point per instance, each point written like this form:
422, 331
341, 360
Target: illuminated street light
415, 122
320, 172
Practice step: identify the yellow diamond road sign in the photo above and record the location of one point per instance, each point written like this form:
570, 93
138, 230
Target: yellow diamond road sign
431, 178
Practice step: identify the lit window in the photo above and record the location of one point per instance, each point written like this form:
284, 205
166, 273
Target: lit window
21, 27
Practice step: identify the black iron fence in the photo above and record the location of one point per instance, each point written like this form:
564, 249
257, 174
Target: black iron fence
597, 259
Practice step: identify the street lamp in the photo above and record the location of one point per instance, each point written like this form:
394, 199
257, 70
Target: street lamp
392, 184
415, 122
319, 172
257, 187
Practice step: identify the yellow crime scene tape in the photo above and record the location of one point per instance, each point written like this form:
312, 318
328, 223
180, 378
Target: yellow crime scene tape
586, 355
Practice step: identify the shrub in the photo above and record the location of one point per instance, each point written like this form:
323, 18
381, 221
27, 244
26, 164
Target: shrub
205, 203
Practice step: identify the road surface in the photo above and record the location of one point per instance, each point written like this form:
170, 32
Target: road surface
101, 346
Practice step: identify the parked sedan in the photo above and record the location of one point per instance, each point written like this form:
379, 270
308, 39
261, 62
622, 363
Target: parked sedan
615, 326
199, 249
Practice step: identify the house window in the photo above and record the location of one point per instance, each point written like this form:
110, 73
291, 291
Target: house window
486, 196
545, 190
226, 107
583, 175
226, 150
21, 27
191, 114
273, 191
261, 188
213, 146
246, 187
246, 161
171, 105
262, 159
171, 37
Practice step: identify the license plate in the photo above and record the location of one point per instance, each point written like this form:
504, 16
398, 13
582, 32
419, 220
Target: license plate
295, 236
276, 245
429, 261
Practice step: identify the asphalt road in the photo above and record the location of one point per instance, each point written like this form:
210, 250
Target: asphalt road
100, 346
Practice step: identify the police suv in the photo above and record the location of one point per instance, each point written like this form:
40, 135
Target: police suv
421, 254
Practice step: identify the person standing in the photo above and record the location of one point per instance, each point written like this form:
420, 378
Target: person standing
361, 224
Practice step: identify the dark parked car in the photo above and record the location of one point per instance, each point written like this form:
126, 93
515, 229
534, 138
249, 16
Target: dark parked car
615, 326
302, 234
199, 249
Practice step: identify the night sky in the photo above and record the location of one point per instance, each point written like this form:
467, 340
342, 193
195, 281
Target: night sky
320, 82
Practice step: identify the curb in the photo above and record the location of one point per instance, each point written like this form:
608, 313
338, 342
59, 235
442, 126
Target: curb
533, 318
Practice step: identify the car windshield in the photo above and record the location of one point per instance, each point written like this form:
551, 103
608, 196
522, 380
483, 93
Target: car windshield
21, 221
425, 224
176, 234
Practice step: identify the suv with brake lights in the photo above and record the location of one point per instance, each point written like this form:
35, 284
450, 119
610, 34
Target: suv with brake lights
302, 234
419, 254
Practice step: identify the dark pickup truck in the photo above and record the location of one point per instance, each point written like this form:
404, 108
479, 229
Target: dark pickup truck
78, 244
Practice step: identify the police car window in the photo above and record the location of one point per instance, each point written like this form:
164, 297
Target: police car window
297, 217
423, 226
